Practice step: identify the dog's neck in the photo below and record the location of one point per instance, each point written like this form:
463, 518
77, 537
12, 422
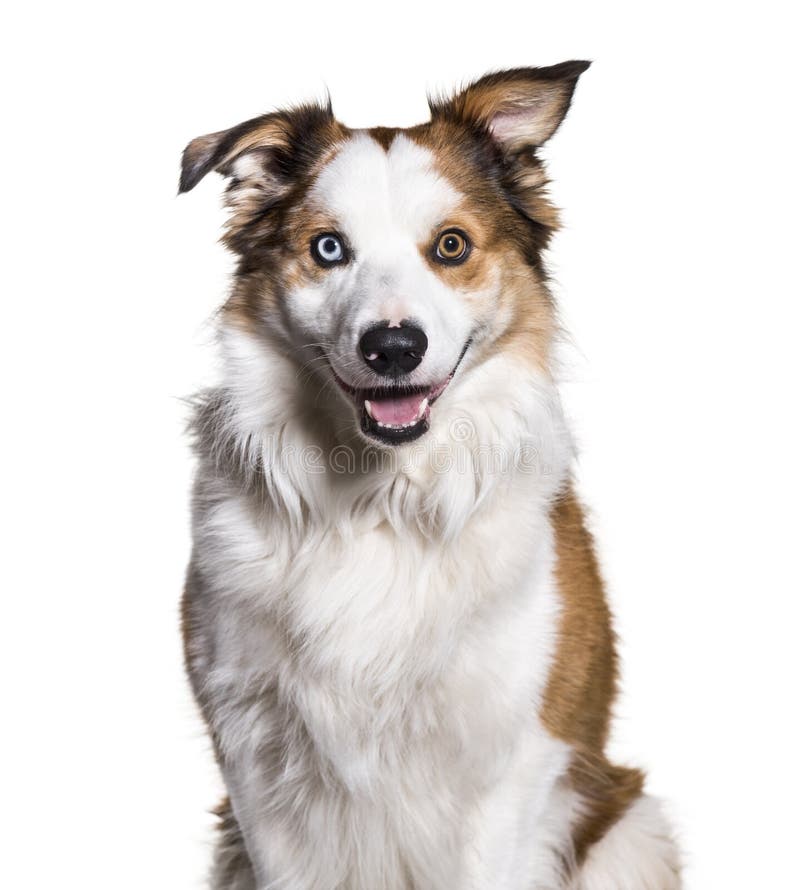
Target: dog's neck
290, 441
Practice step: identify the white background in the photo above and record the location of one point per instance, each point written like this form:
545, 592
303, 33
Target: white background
676, 273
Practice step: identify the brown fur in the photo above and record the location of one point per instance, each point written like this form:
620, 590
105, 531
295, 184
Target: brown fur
582, 682
232, 868
523, 93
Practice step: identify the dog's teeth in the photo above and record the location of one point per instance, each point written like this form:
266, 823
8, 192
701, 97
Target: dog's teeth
422, 407
368, 408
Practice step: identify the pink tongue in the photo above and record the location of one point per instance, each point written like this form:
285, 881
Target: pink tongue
397, 412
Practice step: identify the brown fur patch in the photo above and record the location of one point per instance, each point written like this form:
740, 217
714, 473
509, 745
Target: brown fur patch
516, 111
232, 868
262, 204
606, 793
521, 107
384, 136
530, 333
479, 268
582, 682
506, 241
270, 227
509, 191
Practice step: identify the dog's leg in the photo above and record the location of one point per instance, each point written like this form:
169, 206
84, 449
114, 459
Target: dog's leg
636, 853
232, 869
519, 837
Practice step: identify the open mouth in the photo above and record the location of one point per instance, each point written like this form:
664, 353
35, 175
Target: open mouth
397, 414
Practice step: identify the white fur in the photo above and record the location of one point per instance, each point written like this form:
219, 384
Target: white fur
637, 853
389, 205
376, 644
407, 623
404, 718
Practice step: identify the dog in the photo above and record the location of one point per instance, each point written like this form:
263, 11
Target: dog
394, 623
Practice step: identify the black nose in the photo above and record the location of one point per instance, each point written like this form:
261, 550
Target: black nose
393, 350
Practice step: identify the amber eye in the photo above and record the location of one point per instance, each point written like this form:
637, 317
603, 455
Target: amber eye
452, 247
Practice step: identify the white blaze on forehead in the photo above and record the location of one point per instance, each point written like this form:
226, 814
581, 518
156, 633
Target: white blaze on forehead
374, 194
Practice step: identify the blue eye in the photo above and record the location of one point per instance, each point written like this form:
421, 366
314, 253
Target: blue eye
328, 249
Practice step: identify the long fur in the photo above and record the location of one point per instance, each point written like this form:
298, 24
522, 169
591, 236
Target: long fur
403, 653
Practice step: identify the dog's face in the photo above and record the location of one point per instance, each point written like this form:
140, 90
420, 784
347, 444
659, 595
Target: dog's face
382, 260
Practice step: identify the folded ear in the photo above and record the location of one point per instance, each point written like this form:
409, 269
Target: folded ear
520, 108
263, 158
244, 151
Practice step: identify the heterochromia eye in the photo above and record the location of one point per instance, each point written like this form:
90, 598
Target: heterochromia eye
328, 249
452, 247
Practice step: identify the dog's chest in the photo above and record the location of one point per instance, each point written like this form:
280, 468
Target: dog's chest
405, 675
373, 632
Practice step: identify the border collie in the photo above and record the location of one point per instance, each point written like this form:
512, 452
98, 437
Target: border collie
394, 623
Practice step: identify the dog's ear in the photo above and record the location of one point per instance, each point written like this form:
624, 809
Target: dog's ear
245, 143
262, 158
518, 111
520, 108
263, 146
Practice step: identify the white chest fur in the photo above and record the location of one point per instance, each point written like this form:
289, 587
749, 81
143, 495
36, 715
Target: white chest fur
375, 697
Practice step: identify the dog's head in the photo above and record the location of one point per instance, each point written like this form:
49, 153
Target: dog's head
388, 261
